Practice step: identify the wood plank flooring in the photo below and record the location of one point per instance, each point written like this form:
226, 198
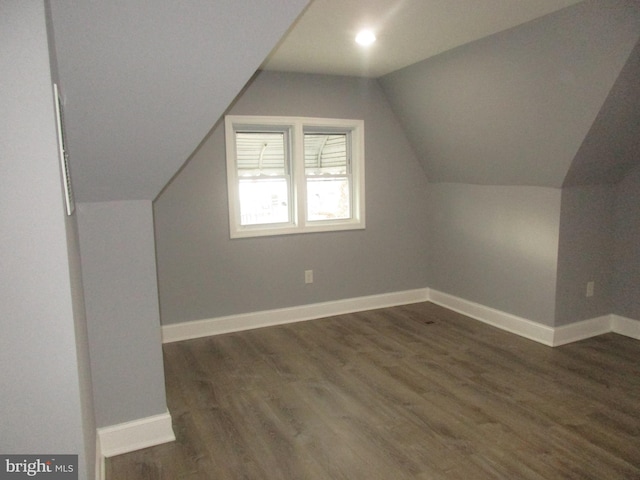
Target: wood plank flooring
411, 392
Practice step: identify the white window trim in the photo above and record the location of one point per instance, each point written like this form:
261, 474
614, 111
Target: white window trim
296, 127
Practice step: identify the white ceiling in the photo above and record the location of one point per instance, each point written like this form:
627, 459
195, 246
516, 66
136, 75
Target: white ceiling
321, 41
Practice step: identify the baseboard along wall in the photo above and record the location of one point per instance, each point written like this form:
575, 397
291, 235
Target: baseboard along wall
247, 321
550, 336
135, 435
496, 318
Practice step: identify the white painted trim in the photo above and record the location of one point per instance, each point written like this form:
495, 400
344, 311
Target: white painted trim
523, 327
625, 326
582, 330
235, 323
505, 321
100, 472
538, 332
597, 326
130, 436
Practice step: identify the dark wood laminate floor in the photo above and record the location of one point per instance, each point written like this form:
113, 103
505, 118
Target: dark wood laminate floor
411, 392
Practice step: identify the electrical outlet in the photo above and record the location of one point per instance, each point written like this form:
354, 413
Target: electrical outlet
308, 276
590, 286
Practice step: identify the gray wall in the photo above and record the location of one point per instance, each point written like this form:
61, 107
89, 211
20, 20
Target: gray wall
496, 246
513, 108
203, 274
121, 296
45, 394
585, 253
626, 278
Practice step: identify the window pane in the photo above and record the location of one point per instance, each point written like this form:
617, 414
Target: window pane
260, 153
325, 153
328, 198
263, 200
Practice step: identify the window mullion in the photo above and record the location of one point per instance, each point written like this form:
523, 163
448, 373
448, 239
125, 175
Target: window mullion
299, 177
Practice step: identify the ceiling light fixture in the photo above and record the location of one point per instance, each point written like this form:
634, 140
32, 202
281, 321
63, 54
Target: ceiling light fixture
365, 37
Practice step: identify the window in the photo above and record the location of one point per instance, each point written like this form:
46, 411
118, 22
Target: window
294, 175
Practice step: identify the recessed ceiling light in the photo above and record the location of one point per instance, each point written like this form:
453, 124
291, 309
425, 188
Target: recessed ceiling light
365, 37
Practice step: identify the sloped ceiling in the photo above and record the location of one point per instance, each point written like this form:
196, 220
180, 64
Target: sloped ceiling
515, 107
143, 82
612, 146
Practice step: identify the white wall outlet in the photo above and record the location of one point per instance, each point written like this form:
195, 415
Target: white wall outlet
590, 286
308, 276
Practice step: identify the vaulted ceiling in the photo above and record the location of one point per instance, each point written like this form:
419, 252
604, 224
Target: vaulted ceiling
497, 92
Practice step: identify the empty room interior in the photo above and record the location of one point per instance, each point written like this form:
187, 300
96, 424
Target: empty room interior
236, 243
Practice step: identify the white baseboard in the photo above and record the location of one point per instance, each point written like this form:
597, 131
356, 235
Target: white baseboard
538, 332
523, 327
130, 436
625, 326
235, 323
597, 326
505, 321
582, 330
100, 466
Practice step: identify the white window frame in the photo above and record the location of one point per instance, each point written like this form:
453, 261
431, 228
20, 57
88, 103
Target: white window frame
295, 128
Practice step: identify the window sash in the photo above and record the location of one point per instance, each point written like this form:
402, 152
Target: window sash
263, 160
328, 163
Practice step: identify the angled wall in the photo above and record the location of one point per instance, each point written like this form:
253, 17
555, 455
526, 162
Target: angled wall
203, 274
